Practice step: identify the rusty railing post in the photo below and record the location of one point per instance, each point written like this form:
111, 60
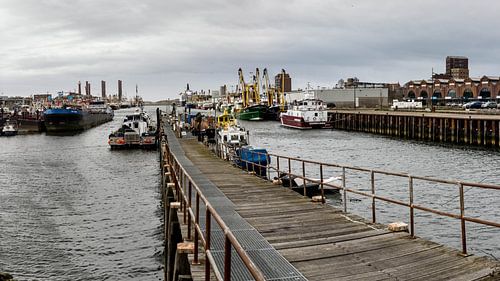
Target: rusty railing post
462, 220
278, 165
344, 188
184, 199
208, 221
304, 177
289, 173
190, 192
227, 259
412, 219
321, 185
372, 175
196, 223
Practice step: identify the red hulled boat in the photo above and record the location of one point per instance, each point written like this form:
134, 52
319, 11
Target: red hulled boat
309, 113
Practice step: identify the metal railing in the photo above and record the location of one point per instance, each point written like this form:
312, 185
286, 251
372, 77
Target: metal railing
184, 187
275, 165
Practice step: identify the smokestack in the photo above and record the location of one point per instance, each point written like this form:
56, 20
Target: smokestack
119, 90
79, 87
87, 88
103, 89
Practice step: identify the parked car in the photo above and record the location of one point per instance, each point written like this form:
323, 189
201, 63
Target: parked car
473, 104
489, 104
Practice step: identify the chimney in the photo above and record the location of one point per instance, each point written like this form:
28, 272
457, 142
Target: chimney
103, 89
87, 88
79, 87
119, 90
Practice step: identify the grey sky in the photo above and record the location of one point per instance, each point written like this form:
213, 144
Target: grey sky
49, 45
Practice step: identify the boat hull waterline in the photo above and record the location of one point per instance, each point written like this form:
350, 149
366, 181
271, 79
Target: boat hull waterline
63, 120
299, 123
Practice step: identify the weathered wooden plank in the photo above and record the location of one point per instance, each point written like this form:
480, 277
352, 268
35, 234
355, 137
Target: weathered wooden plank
328, 240
322, 242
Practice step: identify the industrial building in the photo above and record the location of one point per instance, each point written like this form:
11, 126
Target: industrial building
346, 97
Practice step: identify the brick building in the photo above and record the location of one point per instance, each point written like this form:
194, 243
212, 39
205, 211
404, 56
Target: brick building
457, 67
287, 80
439, 90
455, 84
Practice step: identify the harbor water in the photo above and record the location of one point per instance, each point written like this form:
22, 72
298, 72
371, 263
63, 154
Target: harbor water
73, 209
396, 155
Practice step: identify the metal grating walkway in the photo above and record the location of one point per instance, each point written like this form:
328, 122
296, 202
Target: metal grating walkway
272, 264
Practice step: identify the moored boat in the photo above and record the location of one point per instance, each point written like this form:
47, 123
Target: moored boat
77, 118
309, 113
229, 135
252, 159
9, 129
253, 113
137, 130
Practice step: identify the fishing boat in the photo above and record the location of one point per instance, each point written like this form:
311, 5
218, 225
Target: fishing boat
229, 135
77, 118
137, 130
9, 129
273, 113
253, 113
229, 132
309, 113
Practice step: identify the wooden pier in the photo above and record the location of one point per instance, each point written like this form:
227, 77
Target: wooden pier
466, 128
241, 227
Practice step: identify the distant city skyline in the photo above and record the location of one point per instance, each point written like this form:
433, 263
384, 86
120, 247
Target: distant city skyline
48, 46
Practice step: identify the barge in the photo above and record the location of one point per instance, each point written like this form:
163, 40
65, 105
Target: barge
78, 118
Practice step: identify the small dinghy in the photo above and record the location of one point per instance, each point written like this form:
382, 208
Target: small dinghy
312, 187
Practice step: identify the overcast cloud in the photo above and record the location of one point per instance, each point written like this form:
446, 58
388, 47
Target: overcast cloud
49, 45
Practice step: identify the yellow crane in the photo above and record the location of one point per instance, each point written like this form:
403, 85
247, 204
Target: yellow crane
244, 89
282, 91
270, 91
256, 87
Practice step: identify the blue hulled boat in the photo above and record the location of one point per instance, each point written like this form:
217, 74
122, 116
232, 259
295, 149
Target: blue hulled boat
252, 159
77, 119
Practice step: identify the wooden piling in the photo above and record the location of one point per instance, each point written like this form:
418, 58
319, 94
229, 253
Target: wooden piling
435, 127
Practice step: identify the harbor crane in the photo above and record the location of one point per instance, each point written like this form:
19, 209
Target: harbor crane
250, 93
245, 91
282, 91
256, 87
270, 91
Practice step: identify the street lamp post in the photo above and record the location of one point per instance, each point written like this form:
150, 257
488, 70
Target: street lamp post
431, 95
354, 87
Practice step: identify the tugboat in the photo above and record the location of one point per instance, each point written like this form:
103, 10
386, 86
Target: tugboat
309, 113
138, 130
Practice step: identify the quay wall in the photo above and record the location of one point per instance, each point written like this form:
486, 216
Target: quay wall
463, 129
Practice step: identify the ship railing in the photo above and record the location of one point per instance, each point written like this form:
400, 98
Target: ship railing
308, 171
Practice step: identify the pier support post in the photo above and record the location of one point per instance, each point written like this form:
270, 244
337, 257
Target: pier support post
174, 237
452, 131
181, 262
